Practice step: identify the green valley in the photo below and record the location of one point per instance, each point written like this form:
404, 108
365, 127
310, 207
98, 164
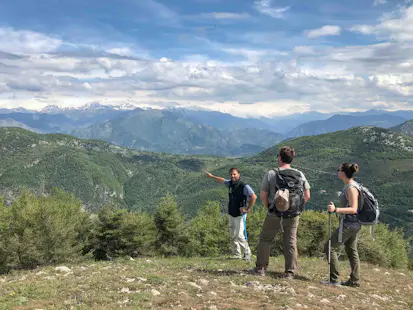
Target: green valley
100, 173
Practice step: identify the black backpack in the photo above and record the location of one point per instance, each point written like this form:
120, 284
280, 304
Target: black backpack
368, 211
292, 180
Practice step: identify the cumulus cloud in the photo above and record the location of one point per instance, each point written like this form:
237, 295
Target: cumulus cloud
379, 2
397, 27
266, 7
24, 41
38, 73
328, 30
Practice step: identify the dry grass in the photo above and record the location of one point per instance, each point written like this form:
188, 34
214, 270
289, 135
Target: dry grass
200, 283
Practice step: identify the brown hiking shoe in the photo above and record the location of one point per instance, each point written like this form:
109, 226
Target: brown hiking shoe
258, 271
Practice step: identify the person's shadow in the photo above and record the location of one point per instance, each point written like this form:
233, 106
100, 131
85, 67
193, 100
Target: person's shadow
231, 272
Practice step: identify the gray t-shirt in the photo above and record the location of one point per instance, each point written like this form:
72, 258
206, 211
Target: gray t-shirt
266, 180
350, 220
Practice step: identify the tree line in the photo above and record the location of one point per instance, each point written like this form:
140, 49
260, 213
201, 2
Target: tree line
46, 230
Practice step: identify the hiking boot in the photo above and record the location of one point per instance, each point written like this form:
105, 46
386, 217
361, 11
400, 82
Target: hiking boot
331, 283
350, 283
247, 256
287, 275
235, 257
257, 271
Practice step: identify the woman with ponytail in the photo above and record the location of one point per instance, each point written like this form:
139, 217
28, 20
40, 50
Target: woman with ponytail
349, 226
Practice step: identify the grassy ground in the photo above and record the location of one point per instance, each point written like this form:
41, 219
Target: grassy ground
200, 283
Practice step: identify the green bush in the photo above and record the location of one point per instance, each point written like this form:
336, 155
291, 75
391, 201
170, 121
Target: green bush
119, 232
389, 249
208, 232
171, 235
38, 231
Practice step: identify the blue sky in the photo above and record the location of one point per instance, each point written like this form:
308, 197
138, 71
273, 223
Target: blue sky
245, 57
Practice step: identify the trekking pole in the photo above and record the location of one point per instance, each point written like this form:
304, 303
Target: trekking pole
329, 246
244, 217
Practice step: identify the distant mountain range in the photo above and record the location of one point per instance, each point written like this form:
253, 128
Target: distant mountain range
184, 131
342, 122
177, 132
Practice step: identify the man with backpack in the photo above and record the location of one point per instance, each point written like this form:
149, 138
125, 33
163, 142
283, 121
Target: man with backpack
284, 191
241, 200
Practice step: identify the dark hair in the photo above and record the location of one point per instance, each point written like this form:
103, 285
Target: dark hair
232, 169
287, 154
349, 169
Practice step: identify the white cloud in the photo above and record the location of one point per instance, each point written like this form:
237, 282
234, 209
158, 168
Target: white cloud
378, 2
23, 41
226, 15
304, 50
270, 81
328, 30
398, 28
265, 7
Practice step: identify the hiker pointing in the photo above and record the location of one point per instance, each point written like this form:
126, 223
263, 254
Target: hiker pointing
349, 228
284, 191
241, 200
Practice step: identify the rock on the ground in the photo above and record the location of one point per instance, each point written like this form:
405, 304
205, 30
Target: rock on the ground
290, 290
203, 281
309, 295
125, 290
212, 293
341, 297
325, 301
155, 292
382, 298
213, 307
193, 284
63, 269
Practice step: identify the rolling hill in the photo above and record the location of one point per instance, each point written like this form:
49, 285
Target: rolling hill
343, 122
100, 173
405, 128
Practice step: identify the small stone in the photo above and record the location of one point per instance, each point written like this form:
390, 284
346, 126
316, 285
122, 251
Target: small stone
148, 261
312, 288
213, 308
290, 290
142, 279
376, 269
325, 301
199, 295
155, 292
387, 273
40, 273
382, 298
286, 308
341, 297
401, 273
125, 290
194, 285
129, 280
204, 282
125, 301
63, 269
131, 258
309, 295
233, 284
213, 293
